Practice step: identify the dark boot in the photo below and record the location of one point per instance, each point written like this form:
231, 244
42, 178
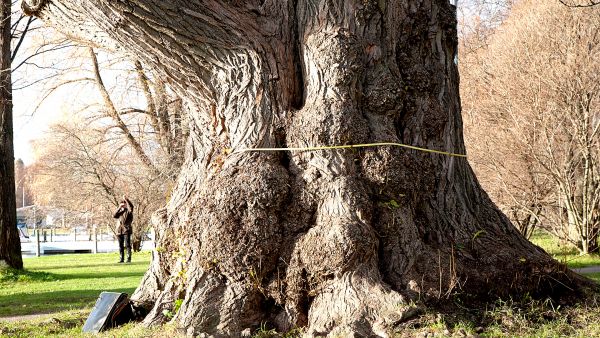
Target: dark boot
128, 246
121, 247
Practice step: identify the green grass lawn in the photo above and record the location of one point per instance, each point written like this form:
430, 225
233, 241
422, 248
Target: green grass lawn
564, 252
67, 282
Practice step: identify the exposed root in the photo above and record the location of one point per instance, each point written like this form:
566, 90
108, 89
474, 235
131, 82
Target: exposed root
356, 303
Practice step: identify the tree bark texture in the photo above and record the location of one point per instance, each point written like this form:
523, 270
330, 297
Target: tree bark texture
336, 241
10, 244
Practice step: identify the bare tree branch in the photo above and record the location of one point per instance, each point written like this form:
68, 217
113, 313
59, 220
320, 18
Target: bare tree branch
114, 114
579, 4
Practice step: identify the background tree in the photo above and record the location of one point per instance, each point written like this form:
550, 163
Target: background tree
477, 22
92, 174
15, 28
541, 86
119, 142
580, 3
98, 167
10, 245
339, 240
506, 173
162, 119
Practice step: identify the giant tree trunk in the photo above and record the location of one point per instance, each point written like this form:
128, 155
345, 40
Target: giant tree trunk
339, 240
10, 244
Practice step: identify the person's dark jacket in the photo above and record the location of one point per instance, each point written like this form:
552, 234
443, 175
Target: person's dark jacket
125, 216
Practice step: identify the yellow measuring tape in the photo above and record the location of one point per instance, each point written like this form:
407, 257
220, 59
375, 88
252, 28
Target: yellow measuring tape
350, 146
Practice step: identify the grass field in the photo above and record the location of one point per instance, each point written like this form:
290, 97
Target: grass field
67, 282
564, 252
65, 287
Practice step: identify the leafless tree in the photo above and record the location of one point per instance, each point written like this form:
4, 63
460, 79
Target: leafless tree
531, 102
579, 3
10, 245
16, 28
152, 136
162, 118
477, 21
91, 175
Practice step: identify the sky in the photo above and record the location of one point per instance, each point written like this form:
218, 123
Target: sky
29, 125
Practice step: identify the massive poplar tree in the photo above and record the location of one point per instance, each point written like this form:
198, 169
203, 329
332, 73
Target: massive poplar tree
338, 241
10, 244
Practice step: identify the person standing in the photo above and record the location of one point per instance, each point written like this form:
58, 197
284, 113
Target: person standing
124, 214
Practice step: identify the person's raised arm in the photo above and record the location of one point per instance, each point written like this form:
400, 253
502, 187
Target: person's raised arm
119, 211
128, 203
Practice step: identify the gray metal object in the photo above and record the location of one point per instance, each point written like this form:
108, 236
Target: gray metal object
112, 309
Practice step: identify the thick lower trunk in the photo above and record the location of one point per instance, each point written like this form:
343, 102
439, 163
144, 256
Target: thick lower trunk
10, 245
337, 241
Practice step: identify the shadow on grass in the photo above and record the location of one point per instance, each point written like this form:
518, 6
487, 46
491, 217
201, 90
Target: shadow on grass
29, 276
33, 290
49, 302
75, 266
95, 275
14, 275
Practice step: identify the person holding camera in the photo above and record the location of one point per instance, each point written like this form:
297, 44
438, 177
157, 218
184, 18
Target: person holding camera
124, 214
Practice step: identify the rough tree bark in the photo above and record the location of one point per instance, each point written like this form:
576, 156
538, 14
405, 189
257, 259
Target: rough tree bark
10, 244
337, 241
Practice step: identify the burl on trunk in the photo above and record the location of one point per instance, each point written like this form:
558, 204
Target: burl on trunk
337, 241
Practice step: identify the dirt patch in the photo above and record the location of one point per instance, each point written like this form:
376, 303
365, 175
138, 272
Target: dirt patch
23, 317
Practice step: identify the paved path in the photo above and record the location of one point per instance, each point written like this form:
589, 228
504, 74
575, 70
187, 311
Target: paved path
66, 244
588, 269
